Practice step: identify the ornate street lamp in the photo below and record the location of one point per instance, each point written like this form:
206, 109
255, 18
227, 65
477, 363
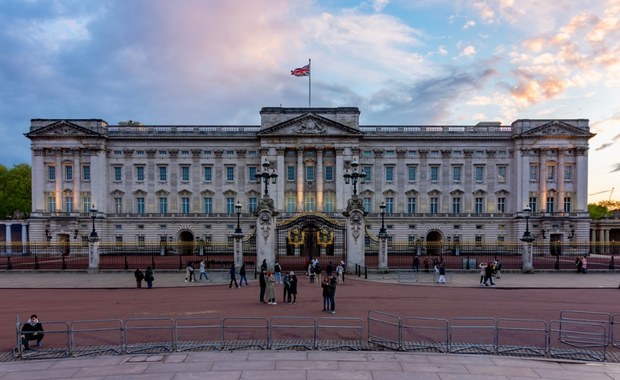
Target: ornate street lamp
527, 236
265, 175
382, 232
354, 175
238, 212
93, 214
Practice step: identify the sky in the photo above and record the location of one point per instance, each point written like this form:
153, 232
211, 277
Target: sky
218, 62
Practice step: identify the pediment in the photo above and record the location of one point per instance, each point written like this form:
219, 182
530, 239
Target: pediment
310, 125
62, 128
556, 128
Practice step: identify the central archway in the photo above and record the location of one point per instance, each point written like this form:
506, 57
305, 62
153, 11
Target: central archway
186, 243
434, 242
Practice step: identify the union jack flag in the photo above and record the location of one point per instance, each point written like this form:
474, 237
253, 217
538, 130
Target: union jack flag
301, 71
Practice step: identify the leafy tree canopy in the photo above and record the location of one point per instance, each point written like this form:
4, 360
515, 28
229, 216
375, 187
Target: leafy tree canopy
15, 191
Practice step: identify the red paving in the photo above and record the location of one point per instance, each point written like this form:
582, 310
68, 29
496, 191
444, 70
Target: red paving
354, 299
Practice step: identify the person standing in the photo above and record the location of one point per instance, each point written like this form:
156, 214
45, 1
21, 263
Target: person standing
189, 272
262, 282
339, 271
278, 271
203, 270
332, 294
317, 271
271, 289
149, 277
579, 264
292, 291
263, 265
242, 276
416, 264
32, 330
442, 273
488, 274
233, 276
344, 270
325, 288
139, 277
285, 288
483, 267
584, 265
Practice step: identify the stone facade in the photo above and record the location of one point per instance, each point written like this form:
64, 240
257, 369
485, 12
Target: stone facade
439, 183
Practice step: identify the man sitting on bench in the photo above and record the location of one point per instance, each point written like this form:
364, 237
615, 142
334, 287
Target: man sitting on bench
32, 330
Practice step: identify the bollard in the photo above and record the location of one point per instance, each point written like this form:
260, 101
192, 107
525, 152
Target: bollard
365, 273
9, 264
180, 263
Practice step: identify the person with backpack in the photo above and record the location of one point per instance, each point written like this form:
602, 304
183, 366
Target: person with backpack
317, 271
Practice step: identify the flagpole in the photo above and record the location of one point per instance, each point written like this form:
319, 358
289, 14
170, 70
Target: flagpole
309, 84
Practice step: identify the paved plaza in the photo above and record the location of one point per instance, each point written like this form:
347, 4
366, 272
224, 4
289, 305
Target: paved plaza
253, 364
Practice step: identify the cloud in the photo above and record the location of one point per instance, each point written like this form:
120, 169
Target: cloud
469, 51
469, 24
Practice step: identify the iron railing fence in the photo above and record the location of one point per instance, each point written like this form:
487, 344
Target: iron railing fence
575, 335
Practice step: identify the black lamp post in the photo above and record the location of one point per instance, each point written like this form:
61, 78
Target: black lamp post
265, 175
527, 236
238, 211
93, 214
354, 175
382, 232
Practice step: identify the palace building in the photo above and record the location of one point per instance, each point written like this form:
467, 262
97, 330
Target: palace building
451, 184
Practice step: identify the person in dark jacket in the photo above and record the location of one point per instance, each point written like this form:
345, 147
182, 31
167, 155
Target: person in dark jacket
242, 275
325, 287
292, 288
149, 277
263, 285
32, 330
139, 277
233, 276
332, 294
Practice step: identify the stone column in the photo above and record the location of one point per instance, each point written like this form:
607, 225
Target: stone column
542, 179
319, 179
355, 232
300, 180
24, 237
93, 256
265, 232
238, 250
383, 253
528, 261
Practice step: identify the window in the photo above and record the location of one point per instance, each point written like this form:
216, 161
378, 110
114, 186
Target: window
550, 204
207, 205
230, 205
230, 174
185, 205
456, 173
567, 204
290, 203
412, 203
434, 173
252, 204
207, 173
163, 205
456, 205
479, 205
568, 173
51, 204
163, 173
534, 173
501, 204
478, 241
389, 173
51, 173
479, 173
68, 173
368, 171
86, 172
551, 173
328, 203
252, 173
119, 240
290, 173
329, 173
141, 241
310, 204
389, 205
412, 172
68, 204
140, 173
501, 174
309, 173
185, 173
118, 173
118, 205
367, 203
140, 205
533, 204
85, 205
434, 209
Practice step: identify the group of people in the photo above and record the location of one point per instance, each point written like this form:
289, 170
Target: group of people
267, 283
314, 270
489, 270
582, 264
147, 276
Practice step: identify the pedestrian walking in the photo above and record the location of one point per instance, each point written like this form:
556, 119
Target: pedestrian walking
233, 276
262, 282
203, 270
416, 264
277, 269
189, 272
442, 273
149, 277
139, 277
242, 277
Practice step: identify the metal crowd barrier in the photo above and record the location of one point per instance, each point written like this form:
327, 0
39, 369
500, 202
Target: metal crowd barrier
576, 335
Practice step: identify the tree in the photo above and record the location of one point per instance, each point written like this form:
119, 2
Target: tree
597, 211
15, 191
